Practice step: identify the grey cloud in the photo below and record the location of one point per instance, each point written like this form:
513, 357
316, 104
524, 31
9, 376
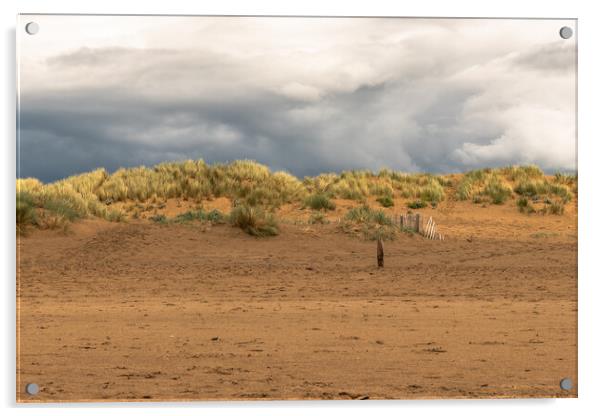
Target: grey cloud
555, 57
399, 106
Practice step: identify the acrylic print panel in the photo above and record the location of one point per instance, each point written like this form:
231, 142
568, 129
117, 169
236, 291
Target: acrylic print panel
241, 208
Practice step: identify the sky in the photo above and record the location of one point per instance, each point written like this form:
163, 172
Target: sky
304, 95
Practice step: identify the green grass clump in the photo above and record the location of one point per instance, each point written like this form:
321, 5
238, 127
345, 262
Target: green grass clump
432, 191
531, 188
319, 202
497, 191
416, 204
214, 216
542, 189
561, 191
386, 201
484, 185
25, 212
524, 205
365, 214
253, 184
362, 213
254, 221
371, 224
64, 208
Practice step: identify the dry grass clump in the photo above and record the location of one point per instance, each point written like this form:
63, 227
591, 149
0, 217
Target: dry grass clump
254, 221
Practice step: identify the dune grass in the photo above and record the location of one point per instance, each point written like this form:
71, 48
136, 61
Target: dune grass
214, 216
416, 204
254, 221
319, 202
484, 185
371, 224
527, 183
252, 185
386, 201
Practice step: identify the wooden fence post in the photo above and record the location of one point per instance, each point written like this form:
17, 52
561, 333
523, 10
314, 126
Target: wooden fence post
380, 254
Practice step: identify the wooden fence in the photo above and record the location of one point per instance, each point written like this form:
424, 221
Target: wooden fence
414, 222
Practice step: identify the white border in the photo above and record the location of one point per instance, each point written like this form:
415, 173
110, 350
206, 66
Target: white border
590, 353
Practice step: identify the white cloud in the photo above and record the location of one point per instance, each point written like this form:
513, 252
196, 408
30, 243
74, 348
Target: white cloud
301, 92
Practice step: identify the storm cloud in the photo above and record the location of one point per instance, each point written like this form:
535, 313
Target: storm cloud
298, 94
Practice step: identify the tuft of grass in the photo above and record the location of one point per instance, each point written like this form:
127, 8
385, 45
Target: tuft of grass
317, 218
497, 191
484, 185
372, 224
525, 206
64, 208
416, 204
214, 216
386, 201
362, 213
254, 221
432, 191
556, 208
531, 188
25, 212
365, 214
49, 221
520, 173
319, 202
159, 219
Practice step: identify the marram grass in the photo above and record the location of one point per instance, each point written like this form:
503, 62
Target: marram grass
253, 186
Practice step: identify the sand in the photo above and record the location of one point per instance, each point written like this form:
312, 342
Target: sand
140, 311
